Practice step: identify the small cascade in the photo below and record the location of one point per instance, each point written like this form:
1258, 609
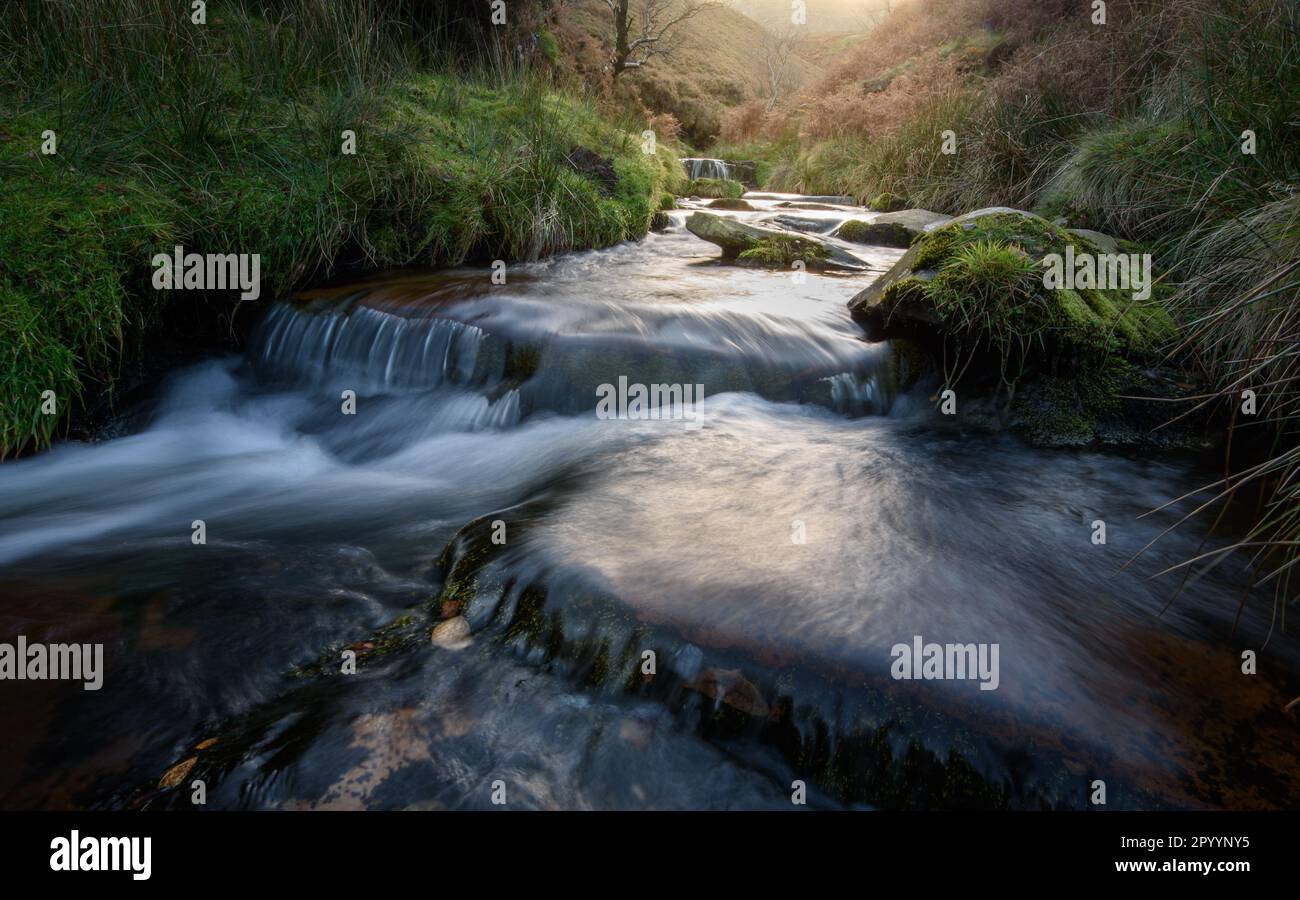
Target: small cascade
370, 349
700, 167
869, 391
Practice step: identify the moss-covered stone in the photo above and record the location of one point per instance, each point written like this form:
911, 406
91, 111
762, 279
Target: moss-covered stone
974, 290
981, 277
731, 203
887, 202
893, 229
783, 250
888, 234
714, 188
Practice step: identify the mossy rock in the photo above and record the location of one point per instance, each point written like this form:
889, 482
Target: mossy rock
886, 235
767, 246
981, 277
784, 250
714, 188
896, 229
974, 289
886, 203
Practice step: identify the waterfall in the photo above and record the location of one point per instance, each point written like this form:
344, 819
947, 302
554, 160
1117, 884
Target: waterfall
366, 347
699, 167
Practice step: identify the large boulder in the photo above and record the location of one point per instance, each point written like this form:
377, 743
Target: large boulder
768, 246
972, 292
894, 229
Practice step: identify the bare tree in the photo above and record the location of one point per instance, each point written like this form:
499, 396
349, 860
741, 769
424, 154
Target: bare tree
778, 48
644, 28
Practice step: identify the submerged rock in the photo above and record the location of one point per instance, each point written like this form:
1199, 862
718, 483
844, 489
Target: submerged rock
793, 204
768, 246
731, 687
893, 229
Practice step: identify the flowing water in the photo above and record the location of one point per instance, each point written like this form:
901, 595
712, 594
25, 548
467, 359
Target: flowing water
769, 554
700, 167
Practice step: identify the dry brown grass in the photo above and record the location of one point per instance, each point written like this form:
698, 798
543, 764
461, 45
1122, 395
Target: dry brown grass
1009, 48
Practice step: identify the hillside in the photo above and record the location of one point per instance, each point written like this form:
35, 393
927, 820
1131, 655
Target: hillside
716, 64
823, 16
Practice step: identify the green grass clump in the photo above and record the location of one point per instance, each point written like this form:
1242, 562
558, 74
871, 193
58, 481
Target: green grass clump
783, 250
714, 189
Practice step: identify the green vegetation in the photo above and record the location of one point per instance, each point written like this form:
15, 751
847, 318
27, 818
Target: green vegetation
988, 286
887, 202
228, 138
714, 188
782, 250
891, 234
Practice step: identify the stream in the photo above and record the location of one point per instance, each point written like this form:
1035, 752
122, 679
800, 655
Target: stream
769, 555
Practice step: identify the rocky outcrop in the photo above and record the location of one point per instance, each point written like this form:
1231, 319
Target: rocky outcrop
768, 246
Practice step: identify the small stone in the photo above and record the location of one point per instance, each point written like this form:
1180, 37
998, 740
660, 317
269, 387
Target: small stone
452, 634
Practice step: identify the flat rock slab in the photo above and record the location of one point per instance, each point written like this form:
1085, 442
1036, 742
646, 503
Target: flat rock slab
736, 237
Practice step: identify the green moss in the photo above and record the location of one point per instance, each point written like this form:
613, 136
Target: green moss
887, 202
784, 250
1060, 411
714, 188
989, 282
889, 234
